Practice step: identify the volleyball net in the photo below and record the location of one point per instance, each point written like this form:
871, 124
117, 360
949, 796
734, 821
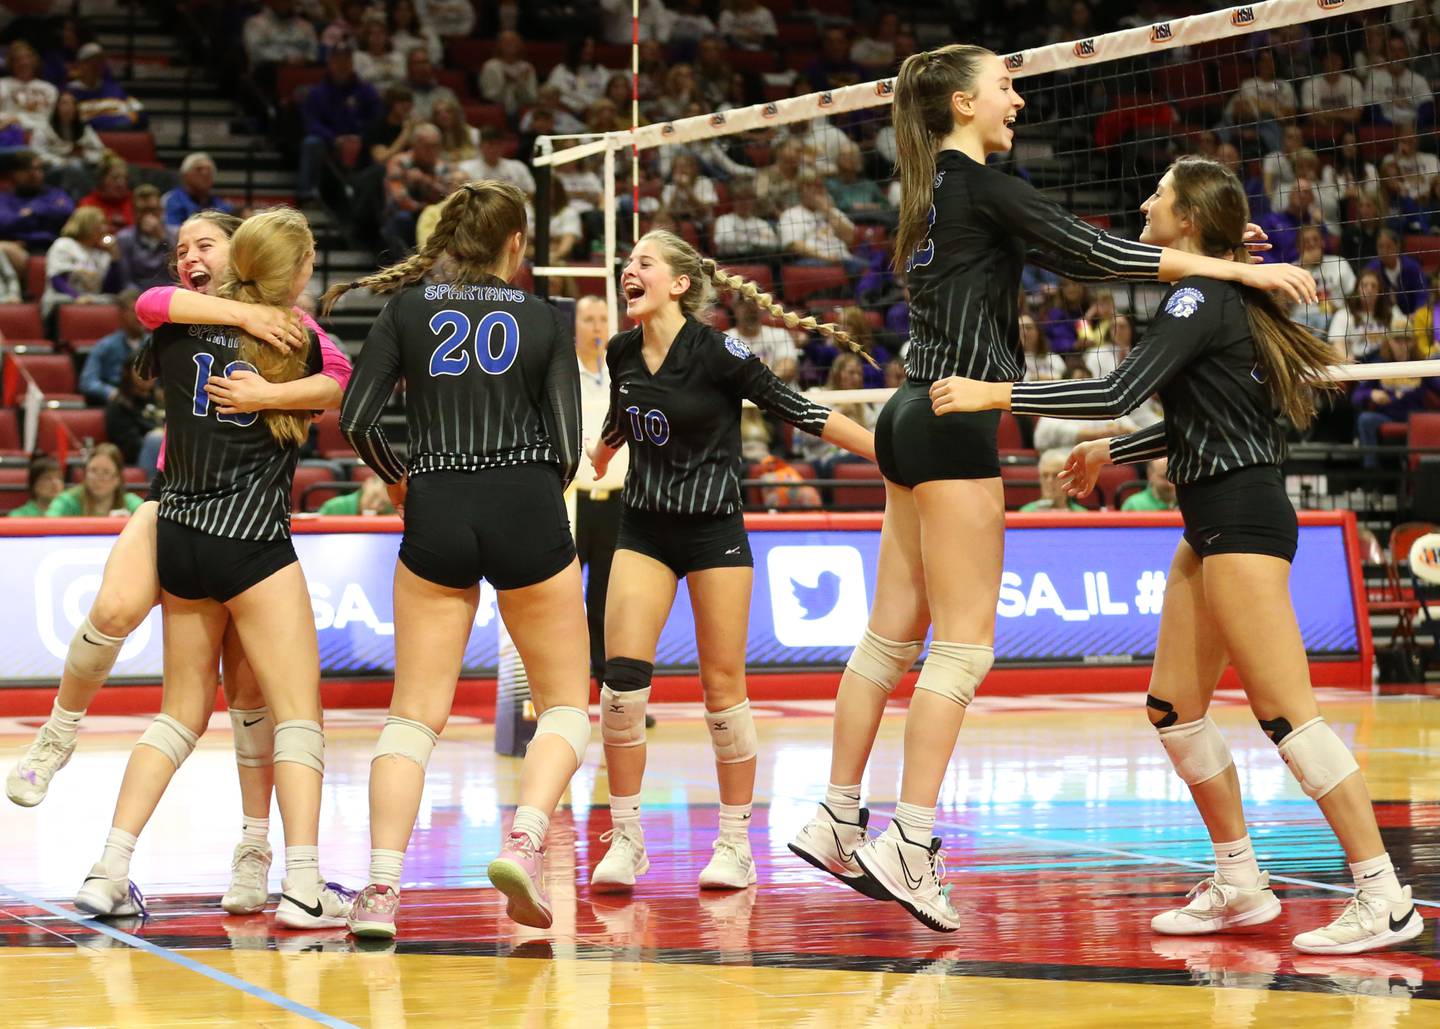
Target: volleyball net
1325, 109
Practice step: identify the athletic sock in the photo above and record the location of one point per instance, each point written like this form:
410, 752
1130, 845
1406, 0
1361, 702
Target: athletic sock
844, 802
625, 809
255, 830
119, 848
735, 822
917, 824
64, 724
532, 822
385, 867
302, 868
1377, 875
1235, 862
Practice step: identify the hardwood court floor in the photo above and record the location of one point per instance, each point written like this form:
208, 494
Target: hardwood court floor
1065, 826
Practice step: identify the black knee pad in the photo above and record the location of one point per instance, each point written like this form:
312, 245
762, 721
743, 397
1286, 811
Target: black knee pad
1276, 728
1168, 718
623, 674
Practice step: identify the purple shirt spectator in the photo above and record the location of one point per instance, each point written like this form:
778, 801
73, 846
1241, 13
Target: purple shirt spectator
33, 213
1402, 275
340, 107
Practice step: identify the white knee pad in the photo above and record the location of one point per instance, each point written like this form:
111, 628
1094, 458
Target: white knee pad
622, 716
300, 742
170, 738
954, 670
883, 661
406, 738
1317, 757
1196, 749
572, 725
92, 654
254, 736
732, 733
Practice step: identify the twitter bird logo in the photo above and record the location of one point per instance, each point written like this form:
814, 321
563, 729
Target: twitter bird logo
818, 600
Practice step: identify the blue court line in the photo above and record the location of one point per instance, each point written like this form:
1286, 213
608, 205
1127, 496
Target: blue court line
190, 964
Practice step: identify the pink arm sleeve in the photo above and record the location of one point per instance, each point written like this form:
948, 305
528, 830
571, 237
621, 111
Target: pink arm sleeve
334, 362
153, 307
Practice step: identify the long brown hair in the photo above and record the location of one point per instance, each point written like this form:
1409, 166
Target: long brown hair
922, 117
1294, 360
706, 276
267, 252
475, 224
116, 500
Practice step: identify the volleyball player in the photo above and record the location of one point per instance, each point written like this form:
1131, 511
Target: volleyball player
675, 392
965, 233
1225, 361
129, 587
223, 553
493, 410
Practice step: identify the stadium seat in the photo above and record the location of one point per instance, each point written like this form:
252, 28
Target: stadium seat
457, 80
468, 52
1424, 434
1022, 484
1125, 491
524, 278
1425, 249
35, 278
871, 495
21, 321
72, 428
53, 373
799, 282
138, 148
291, 77
329, 442
757, 273
1008, 436
11, 442
1186, 85
14, 488
135, 476
86, 322
482, 116
1112, 477
761, 62
309, 474
797, 33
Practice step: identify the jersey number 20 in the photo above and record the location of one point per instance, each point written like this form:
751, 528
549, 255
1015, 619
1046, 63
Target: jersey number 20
203, 364
452, 357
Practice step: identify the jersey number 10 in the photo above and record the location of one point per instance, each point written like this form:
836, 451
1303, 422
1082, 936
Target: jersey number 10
652, 425
451, 357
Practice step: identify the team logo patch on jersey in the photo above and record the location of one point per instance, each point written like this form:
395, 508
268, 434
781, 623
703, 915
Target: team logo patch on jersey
737, 347
1184, 302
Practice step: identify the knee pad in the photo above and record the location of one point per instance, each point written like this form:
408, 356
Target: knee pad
881, 661
170, 738
732, 733
623, 698
572, 725
1317, 758
254, 737
954, 670
406, 738
92, 654
1196, 749
301, 742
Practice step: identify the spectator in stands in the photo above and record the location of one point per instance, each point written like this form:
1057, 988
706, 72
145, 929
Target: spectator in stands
1262, 101
430, 215
336, 112
408, 30
1415, 168
31, 213
778, 186
80, 266
1379, 402
1060, 322
860, 198
459, 140
1334, 278
771, 343
68, 146
106, 363
507, 78
1102, 359
1425, 322
549, 101
493, 164
816, 231
1278, 168
875, 50
1159, 491
450, 17
653, 66
855, 321
834, 68
346, 28
617, 91
1040, 363
196, 191
389, 134
1360, 238
741, 232
1358, 328
132, 422
1372, 51
278, 35
689, 195
748, 25
1399, 96
689, 24
580, 78
425, 88
567, 233
25, 96
1334, 99
376, 59
414, 179
144, 248
104, 104
846, 373
1094, 329
370, 499
1427, 59
1283, 224
102, 493
617, 26
44, 481
822, 141
1345, 174
1402, 275
712, 72
679, 93
1052, 494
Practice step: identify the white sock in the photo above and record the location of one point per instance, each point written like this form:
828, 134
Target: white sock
255, 830
625, 809
64, 724
119, 847
844, 802
302, 867
532, 822
1377, 875
735, 821
385, 866
917, 824
1236, 863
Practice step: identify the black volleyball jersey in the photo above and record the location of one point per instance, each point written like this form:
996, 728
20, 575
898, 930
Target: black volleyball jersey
964, 277
1219, 414
490, 381
683, 421
224, 473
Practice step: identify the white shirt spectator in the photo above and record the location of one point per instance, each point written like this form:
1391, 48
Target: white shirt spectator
1276, 92
1334, 186
1398, 92
67, 256
1416, 172
507, 169
579, 88
511, 84
1044, 367
403, 42
1334, 278
751, 30
687, 28
582, 185
770, 343
654, 21
273, 40
447, 17
824, 142
872, 52
381, 72
1318, 93
1358, 335
55, 152
735, 236
1064, 433
703, 190
566, 223
799, 224
32, 103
